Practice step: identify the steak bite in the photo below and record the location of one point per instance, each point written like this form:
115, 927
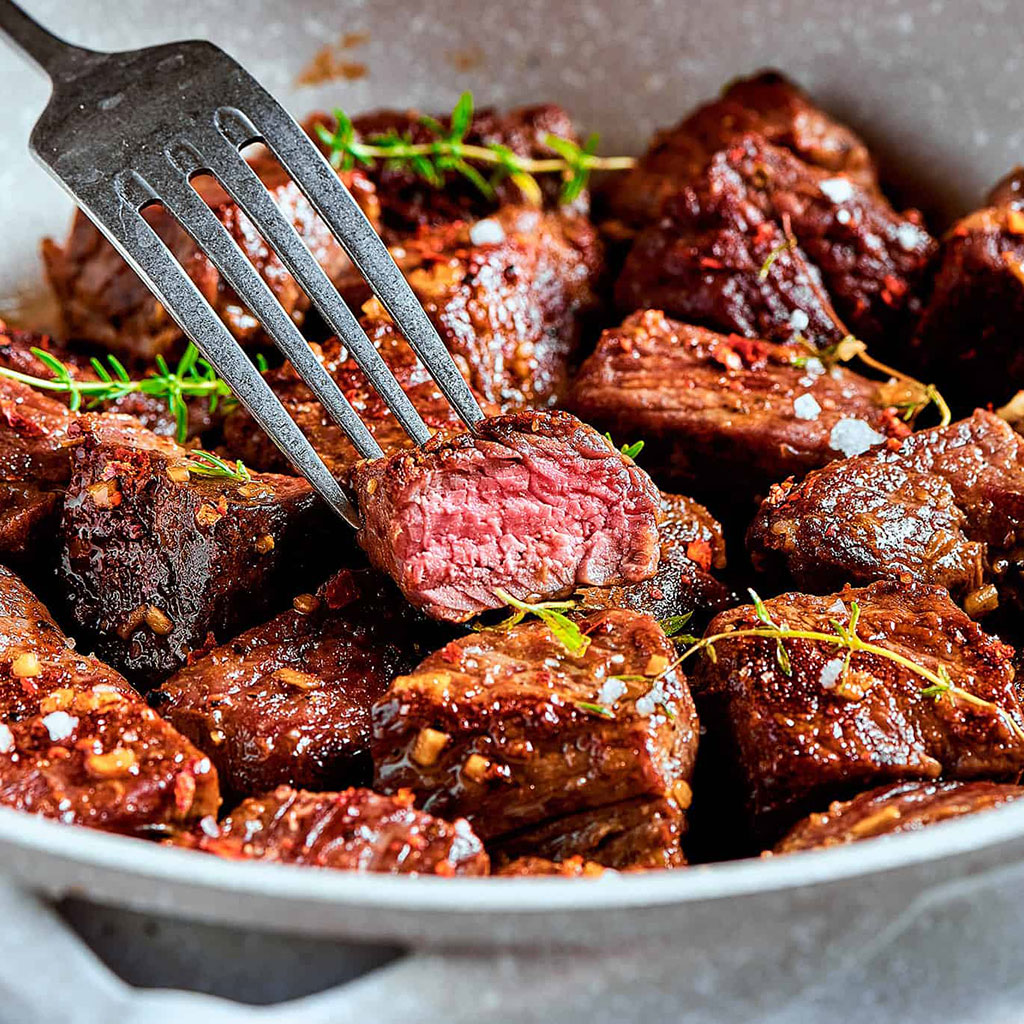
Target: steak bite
103, 302
532, 867
631, 835
764, 245
354, 830
288, 702
77, 743
968, 338
944, 506
766, 103
159, 561
724, 415
692, 547
509, 729
534, 504
888, 810
823, 731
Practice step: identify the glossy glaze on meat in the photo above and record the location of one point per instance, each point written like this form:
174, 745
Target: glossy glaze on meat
159, 563
944, 506
103, 302
721, 254
797, 740
509, 729
727, 416
288, 702
354, 830
766, 103
77, 743
889, 810
968, 337
535, 504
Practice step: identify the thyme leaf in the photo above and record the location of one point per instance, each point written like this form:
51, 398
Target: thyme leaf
631, 451
552, 614
203, 463
447, 152
595, 709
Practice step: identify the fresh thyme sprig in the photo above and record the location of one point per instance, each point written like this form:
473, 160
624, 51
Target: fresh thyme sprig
193, 377
447, 152
918, 395
939, 684
204, 463
552, 614
631, 451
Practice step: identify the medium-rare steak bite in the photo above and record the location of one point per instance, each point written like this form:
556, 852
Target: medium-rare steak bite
889, 810
509, 729
692, 549
766, 103
764, 245
534, 504
159, 561
103, 301
289, 701
726, 416
802, 728
944, 506
968, 338
77, 743
354, 830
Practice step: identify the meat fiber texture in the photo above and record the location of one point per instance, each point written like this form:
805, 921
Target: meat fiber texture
159, 563
535, 504
799, 732
692, 551
78, 744
354, 830
767, 246
513, 731
944, 506
725, 416
890, 810
766, 103
288, 702
968, 339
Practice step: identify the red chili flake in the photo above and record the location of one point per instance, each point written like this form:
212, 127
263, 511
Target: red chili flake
699, 552
710, 262
764, 233
445, 868
341, 590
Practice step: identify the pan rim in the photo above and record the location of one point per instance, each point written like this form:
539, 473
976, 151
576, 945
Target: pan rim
87, 848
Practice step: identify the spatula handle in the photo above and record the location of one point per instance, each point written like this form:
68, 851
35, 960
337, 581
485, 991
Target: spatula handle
46, 49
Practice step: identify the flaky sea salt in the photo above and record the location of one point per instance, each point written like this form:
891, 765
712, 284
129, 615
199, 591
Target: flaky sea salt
837, 189
798, 320
851, 437
830, 673
611, 691
486, 232
60, 725
806, 407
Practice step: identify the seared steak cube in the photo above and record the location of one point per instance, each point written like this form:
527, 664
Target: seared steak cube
888, 810
631, 835
103, 301
408, 203
532, 503
765, 245
724, 415
158, 561
766, 103
289, 701
77, 743
354, 830
804, 728
968, 338
945, 506
692, 547
573, 867
509, 729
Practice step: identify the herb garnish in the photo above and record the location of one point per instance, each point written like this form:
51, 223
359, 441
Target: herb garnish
595, 709
193, 377
551, 613
203, 463
674, 625
631, 451
447, 152
766, 267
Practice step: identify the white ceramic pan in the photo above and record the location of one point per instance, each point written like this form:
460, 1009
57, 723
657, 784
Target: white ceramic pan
934, 85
